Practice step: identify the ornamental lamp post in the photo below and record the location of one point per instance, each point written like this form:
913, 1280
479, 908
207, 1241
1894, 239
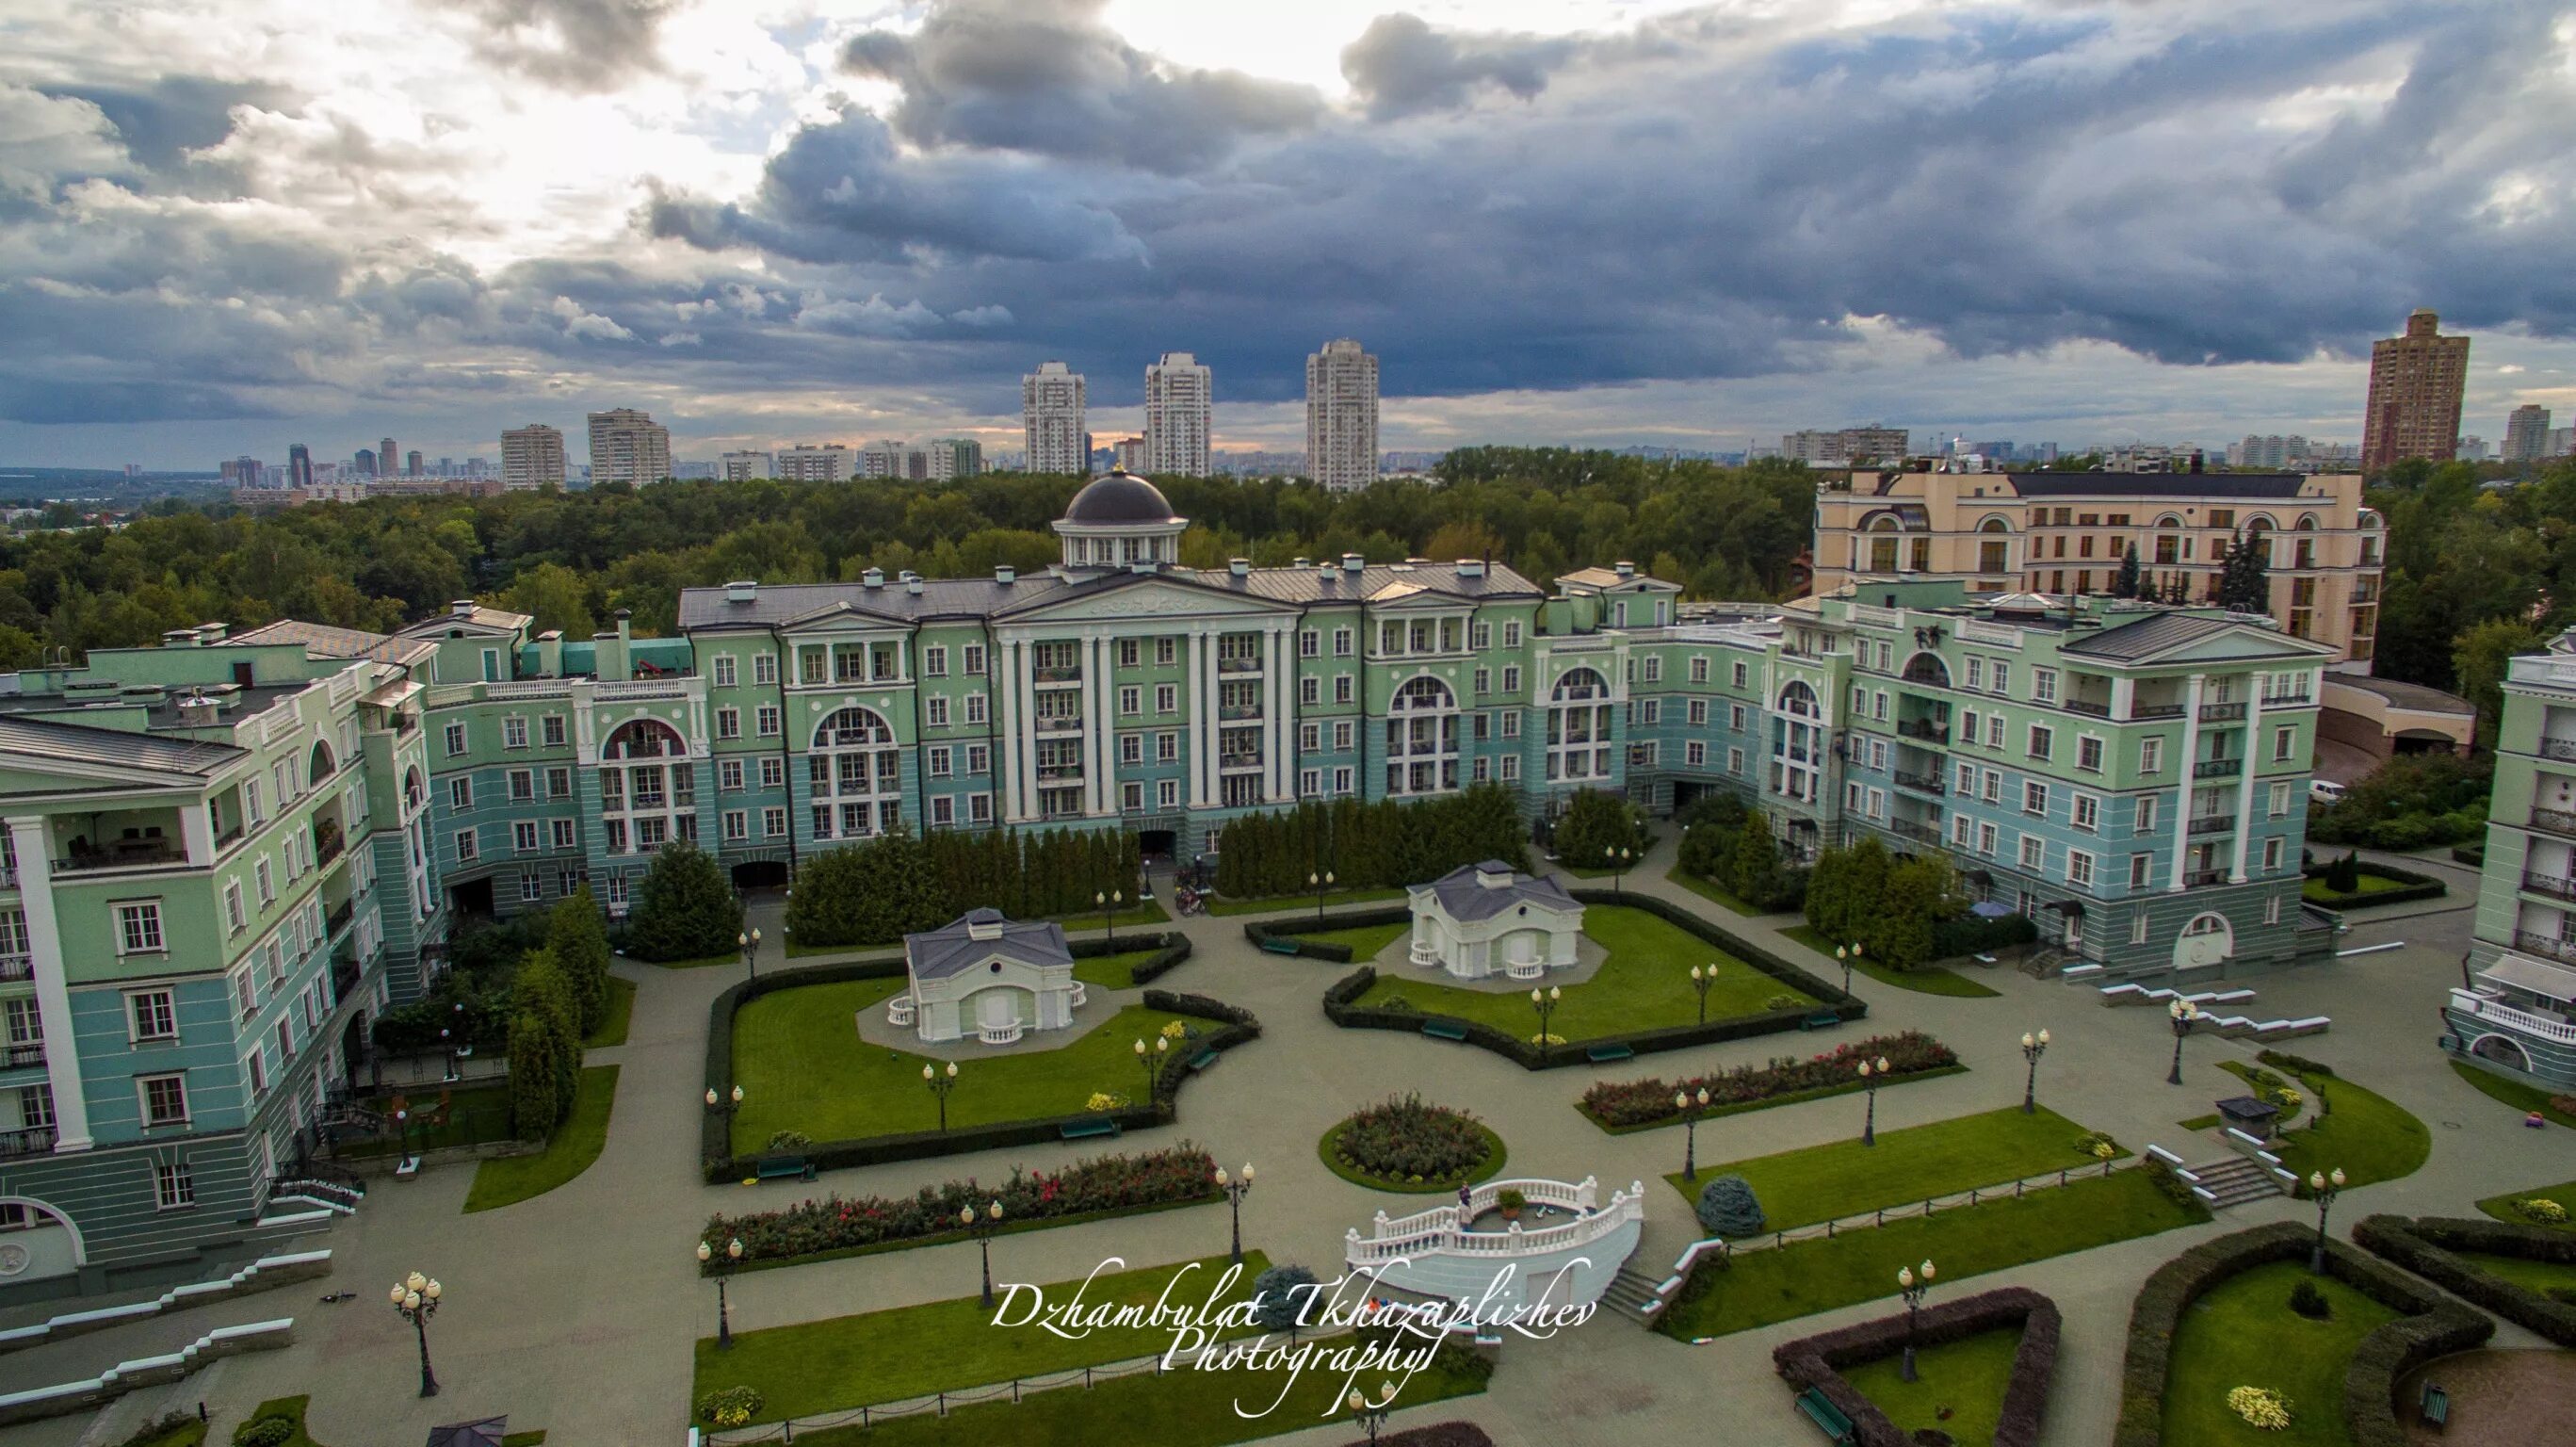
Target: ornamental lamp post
1109, 913
2325, 1188
1236, 1188
1545, 1002
415, 1299
1871, 1074
1914, 1286
1372, 1415
1321, 884
2032, 1047
2185, 1015
1701, 980
750, 953
940, 1084
1152, 1063
724, 1267
1690, 1106
1844, 955
982, 1227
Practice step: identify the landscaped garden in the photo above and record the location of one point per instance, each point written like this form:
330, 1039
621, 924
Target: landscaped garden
1958, 1391
1922, 979
1761, 1287
1408, 1144
2541, 1206
1627, 1105
1112, 972
1363, 942
1643, 984
2348, 883
2355, 1130
2522, 1096
905, 1352
1906, 1167
620, 1013
2244, 1332
802, 1068
569, 1151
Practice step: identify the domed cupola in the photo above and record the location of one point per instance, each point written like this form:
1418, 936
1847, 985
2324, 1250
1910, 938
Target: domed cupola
1120, 521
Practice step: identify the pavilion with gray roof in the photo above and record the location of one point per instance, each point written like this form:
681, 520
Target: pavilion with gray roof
1485, 919
987, 978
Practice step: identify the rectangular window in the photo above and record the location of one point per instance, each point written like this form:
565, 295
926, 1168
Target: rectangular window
2280, 802
2034, 797
523, 785
1977, 673
1342, 640
460, 793
2147, 815
138, 928
514, 732
1167, 793
2043, 741
2079, 868
165, 1098
724, 674
1511, 724
562, 830
523, 836
773, 773
940, 760
455, 739
975, 710
2043, 685
1167, 698
1167, 748
1735, 762
2151, 756
2283, 742
769, 721
1512, 679
1511, 767
934, 662
2034, 853
2003, 676
151, 1015
1654, 669
737, 825
2088, 754
773, 822
465, 850
174, 1186
728, 723
552, 730
1131, 700
1310, 691
2141, 869
2272, 849
1512, 633
2088, 813
729, 775
234, 919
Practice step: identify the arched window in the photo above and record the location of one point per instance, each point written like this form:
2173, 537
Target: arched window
318, 765
852, 728
1797, 744
856, 773
1579, 726
1580, 685
1425, 692
415, 790
644, 738
1422, 735
2168, 540
1799, 701
647, 787
1994, 546
1882, 543
1927, 668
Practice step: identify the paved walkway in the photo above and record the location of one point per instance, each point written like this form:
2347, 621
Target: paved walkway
577, 1311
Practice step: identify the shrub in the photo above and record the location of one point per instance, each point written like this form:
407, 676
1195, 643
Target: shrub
1406, 1139
535, 1098
789, 1141
2541, 1209
2295, 1064
1818, 1361
2174, 1188
2309, 1302
1728, 1209
1974, 934
1283, 1295
269, 1431
2427, 1247
2343, 876
685, 909
730, 1406
2260, 1407
1100, 1101
578, 941
1596, 824
1370, 845
1510, 1200
1619, 1104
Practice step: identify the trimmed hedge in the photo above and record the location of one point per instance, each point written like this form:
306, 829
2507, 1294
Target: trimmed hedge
1338, 1006
2416, 886
1818, 1361
2473, 855
1622, 1106
2425, 1246
719, 1164
1337, 953
2430, 1325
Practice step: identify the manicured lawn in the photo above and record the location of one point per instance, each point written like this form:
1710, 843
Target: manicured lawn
1856, 1266
1364, 941
1112, 972
1333, 899
801, 1067
1922, 979
1845, 1178
621, 1013
2245, 1072
1644, 983
2242, 1333
2199, 1122
187, 1434
576, 1143
1967, 1377
1181, 1408
2318, 892
2523, 1098
2501, 1207
1711, 892
291, 1407
1134, 916
887, 1356
2369, 1136
798, 949
2539, 1276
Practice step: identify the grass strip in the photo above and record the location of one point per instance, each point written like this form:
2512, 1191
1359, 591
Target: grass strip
575, 1144
1845, 1178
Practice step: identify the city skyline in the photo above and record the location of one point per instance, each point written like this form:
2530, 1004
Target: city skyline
240, 228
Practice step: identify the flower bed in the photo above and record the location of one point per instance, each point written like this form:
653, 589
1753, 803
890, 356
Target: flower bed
1818, 1361
1637, 1104
1102, 1186
1407, 1144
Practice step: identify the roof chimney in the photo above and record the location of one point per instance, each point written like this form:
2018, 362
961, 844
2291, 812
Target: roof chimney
872, 578
1006, 575
1471, 567
1240, 567
210, 633
1352, 562
1626, 569
179, 638
742, 590
461, 608
912, 584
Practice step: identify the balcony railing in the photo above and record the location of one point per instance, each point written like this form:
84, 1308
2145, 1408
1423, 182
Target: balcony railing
2487, 1007
2539, 944
2155, 710
1066, 673
1060, 724
1925, 730
2203, 878
2213, 824
338, 919
1919, 833
1060, 774
1920, 783
2088, 706
328, 845
1238, 665
1240, 711
2222, 713
344, 977
1238, 761
2556, 821
32, 1141
125, 854
15, 969
2548, 884
22, 1056
2563, 750
2217, 768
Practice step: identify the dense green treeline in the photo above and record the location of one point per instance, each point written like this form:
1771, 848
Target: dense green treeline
2474, 575
574, 558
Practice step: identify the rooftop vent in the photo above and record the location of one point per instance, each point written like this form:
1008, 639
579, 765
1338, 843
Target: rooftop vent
210, 633
1353, 562
1471, 568
912, 585
1303, 563
198, 710
1240, 567
872, 578
1625, 568
1006, 575
742, 590
461, 607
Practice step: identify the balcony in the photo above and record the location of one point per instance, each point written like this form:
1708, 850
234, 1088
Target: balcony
28, 1055
17, 969
32, 1141
2155, 710
2222, 713
2213, 824
2088, 707
2203, 878
338, 919
328, 843
2563, 750
1060, 773
2487, 1007
1924, 729
123, 854
2554, 821
1063, 676
2218, 768
1239, 712
1919, 833
1238, 665
2561, 950
1233, 763
2547, 884
1059, 724
344, 977
1920, 783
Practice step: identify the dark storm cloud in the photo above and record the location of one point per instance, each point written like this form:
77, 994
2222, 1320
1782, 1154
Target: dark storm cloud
1047, 77
68, 400
577, 45
1400, 65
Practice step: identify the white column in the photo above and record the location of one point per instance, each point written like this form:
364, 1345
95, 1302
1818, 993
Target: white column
53, 985
2184, 769
1201, 767
1024, 664
1006, 709
1096, 723
2124, 696
197, 829
2245, 780
1274, 715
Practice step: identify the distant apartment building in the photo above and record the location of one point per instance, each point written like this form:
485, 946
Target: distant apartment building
2526, 434
299, 465
2471, 449
628, 446
881, 458
1845, 446
1341, 416
2274, 452
532, 457
411, 463
388, 461
242, 472
743, 466
1178, 408
1053, 421
947, 458
1127, 454
2416, 383
829, 462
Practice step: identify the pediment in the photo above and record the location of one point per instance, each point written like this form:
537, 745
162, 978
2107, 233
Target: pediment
1150, 597
2241, 643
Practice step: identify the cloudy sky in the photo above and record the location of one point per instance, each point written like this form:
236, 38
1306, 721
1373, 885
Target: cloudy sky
227, 225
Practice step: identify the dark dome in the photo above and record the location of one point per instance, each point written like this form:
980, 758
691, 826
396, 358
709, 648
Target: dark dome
1119, 498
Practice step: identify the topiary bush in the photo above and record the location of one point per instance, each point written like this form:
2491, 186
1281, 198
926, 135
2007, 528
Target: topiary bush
1283, 1295
685, 908
2309, 1302
730, 1406
1728, 1208
1408, 1139
270, 1431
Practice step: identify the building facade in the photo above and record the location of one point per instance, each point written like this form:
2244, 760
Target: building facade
829, 462
1845, 446
532, 457
747, 464
2067, 532
1179, 404
2416, 383
1055, 428
215, 878
2526, 434
299, 465
628, 446
1341, 416
2516, 1010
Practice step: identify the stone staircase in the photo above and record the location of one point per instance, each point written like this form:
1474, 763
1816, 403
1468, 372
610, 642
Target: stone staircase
2042, 963
1633, 1295
2231, 1181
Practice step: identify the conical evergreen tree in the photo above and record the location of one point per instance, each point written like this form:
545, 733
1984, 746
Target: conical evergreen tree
685, 909
2126, 584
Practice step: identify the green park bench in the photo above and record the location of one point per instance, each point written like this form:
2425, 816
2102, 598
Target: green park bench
1444, 1030
780, 1168
1203, 1059
1816, 1408
1278, 945
1609, 1054
1098, 1125
1821, 1020
2435, 1407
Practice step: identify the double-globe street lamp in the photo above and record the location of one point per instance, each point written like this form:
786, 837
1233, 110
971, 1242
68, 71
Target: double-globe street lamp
1845, 954
1372, 1415
2325, 1187
1152, 1061
1616, 859
1545, 1003
1322, 884
1872, 1072
1690, 1106
415, 1298
940, 1083
1915, 1283
724, 1265
2032, 1047
2184, 1015
750, 944
981, 1226
1236, 1188
1108, 904
1701, 980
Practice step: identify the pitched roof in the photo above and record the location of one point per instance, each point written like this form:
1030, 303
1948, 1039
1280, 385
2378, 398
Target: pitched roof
2268, 485
72, 743
2163, 632
953, 948
483, 616
321, 640
1480, 891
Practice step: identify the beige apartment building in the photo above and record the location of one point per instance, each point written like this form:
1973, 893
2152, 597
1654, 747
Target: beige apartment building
532, 457
2416, 384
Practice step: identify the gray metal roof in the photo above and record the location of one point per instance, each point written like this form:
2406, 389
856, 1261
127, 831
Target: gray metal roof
2550, 982
1466, 897
114, 748
321, 640
2404, 695
2149, 636
2175, 485
952, 948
